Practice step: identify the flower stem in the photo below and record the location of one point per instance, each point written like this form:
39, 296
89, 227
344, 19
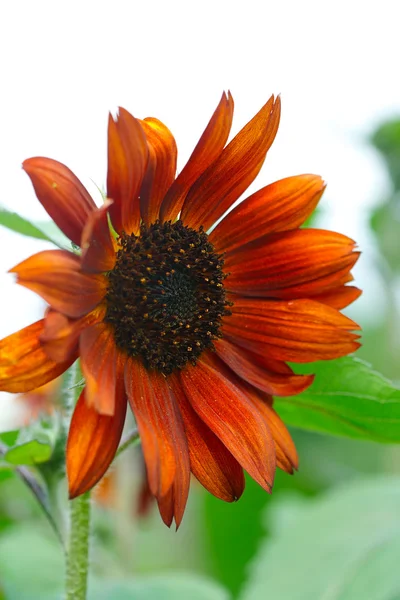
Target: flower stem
78, 551
77, 566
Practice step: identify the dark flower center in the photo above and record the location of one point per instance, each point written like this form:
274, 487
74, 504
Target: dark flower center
166, 297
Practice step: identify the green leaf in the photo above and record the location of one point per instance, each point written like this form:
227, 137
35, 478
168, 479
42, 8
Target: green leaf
34, 444
168, 587
47, 230
30, 453
9, 437
342, 546
347, 398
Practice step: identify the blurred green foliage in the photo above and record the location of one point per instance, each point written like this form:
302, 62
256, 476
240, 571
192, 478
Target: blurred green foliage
344, 544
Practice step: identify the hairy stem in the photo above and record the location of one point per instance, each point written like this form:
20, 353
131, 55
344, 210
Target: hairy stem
78, 551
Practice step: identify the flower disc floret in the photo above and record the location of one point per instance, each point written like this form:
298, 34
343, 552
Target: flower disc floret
166, 296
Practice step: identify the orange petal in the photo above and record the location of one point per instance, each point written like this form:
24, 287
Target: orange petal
62, 195
101, 366
290, 264
60, 335
205, 153
235, 169
283, 205
127, 163
161, 168
173, 504
211, 463
92, 443
24, 365
340, 297
257, 371
232, 417
98, 247
161, 431
299, 330
55, 275
286, 453
145, 497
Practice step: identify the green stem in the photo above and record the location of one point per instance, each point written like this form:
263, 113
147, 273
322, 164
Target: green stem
78, 551
129, 440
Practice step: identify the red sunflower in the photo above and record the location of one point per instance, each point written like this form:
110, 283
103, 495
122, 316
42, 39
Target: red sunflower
192, 329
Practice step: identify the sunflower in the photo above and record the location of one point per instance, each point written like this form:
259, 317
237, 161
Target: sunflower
190, 325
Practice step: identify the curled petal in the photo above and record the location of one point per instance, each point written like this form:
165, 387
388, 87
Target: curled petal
24, 365
235, 169
210, 461
291, 264
55, 275
259, 372
280, 206
162, 434
205, 153
127, 163
232, 417
60, 335
161, 168
61, 194
340, 297
98, 246
101, 366
299, 330
92, 443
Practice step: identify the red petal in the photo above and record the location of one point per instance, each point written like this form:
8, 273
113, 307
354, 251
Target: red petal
231, 416
161, 168
235, 169
205, 153
291, 264
283, 205
340, 297
127, 163
24, 365
101, 366
257, 370
92, 443
161, 432
55, 275
98, 247
61, 194
299, 330
211, 463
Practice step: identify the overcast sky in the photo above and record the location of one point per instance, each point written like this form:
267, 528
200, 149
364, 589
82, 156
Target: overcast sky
64, 65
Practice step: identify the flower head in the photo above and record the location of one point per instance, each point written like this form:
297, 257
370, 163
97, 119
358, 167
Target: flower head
192, 329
